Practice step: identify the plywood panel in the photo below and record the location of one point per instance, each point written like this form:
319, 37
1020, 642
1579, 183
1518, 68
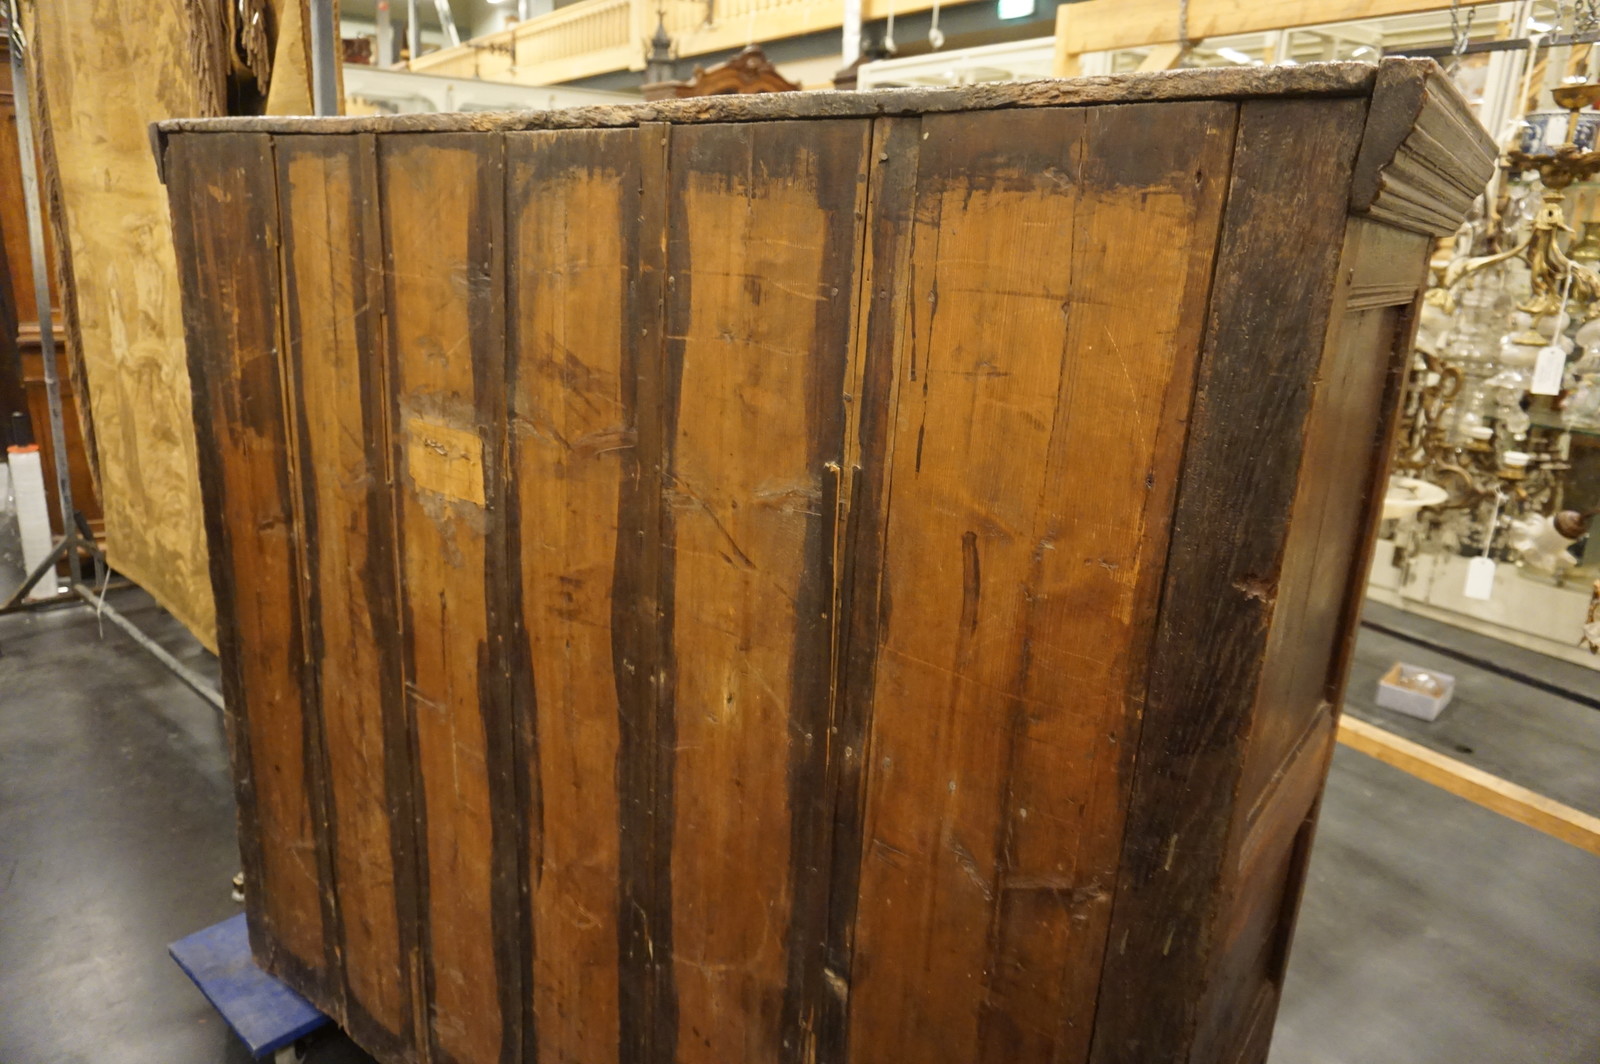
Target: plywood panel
761, 267
125, 283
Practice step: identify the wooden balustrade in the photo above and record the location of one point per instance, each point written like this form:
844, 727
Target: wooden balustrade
593, 37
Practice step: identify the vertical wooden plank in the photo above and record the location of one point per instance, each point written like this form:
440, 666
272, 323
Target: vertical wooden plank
762, 261
223, 202
871, 390
576, 318
334, 300
443, 205
1268, 319
1290, 736
641, 615
1036, 440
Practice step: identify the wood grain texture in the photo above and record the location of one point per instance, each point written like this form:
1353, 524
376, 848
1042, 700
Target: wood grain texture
1224, 571
446, 371
761, 279
852, 589
574, 259
871, 390
239, 385
333, 286
1017, 577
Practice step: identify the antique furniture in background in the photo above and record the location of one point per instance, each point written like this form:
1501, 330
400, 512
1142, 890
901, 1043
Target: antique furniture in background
803, 577
746, 73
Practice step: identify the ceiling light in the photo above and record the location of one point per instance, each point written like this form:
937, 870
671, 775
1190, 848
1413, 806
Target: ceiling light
1359, 52
1233, 55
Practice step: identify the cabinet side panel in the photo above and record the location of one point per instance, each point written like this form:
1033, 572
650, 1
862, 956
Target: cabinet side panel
334, 300
443, 200
575, 316
224, 210
1268, 318
1285, 759
762, 262
1060, 264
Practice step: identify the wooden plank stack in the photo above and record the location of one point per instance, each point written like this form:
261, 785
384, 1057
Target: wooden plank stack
821, 577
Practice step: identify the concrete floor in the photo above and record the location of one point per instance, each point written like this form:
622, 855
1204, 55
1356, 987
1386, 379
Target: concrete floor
1433, 932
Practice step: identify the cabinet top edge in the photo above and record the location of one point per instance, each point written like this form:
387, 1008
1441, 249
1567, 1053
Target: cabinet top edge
1232, 83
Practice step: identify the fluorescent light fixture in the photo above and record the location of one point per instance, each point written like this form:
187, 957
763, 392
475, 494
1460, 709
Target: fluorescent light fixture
1359, 52
1233, 55
1535, 26
1017, 8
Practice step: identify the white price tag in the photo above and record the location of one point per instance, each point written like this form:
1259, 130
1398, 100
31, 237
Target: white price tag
1548, 370
1480, 579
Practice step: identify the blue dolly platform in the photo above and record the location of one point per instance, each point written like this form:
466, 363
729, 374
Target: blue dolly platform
265, 1014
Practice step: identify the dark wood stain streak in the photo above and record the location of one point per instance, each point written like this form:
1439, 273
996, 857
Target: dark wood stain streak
379, 574
523, 706
1267, 319
863, 600
418, 963
502, 574
841, 193
302, 476
404, 772
641, 624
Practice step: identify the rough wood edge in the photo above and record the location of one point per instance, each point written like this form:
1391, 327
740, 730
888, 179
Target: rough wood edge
1423, 157
1518, 803
1312, 79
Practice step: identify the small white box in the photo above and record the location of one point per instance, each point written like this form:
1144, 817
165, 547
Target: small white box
1421, 693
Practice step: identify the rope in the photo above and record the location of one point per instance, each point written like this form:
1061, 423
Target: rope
1460, 32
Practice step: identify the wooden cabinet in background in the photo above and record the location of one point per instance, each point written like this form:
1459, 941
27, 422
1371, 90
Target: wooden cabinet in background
806, 577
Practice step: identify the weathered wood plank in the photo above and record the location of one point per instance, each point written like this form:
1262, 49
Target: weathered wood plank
1331, 525
1024, 574
443, 201
230, 251
872, 388
574, 224
641, 622
762, 265
1216, 83
333, 293
1269, 315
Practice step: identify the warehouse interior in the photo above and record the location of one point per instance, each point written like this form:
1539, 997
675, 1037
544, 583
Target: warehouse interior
318, 617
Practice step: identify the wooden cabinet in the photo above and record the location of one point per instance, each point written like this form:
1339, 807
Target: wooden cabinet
819, 577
